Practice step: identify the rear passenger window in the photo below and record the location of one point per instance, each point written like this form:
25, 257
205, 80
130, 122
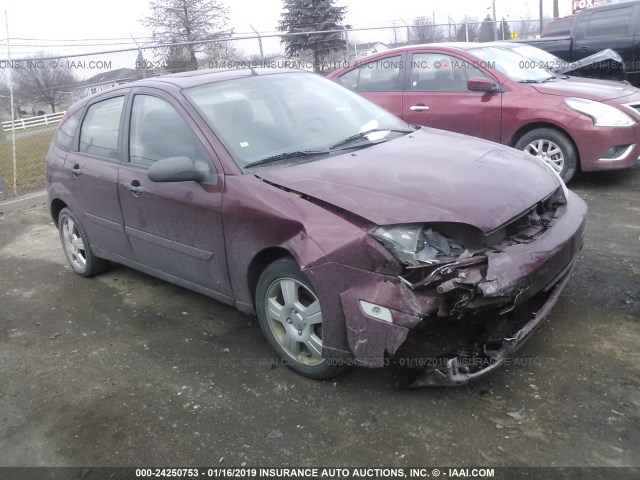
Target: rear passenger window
378, 76
609, 23
64, 135
99, 131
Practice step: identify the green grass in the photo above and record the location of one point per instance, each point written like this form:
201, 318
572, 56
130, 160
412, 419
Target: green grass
30, 153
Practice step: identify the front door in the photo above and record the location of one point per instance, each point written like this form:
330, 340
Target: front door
437, 96
174, 228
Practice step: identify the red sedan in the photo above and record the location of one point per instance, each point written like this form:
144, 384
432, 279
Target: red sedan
271, 191
499, 95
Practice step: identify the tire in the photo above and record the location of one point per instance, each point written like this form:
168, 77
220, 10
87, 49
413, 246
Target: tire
77, 249
290, 318
541, 141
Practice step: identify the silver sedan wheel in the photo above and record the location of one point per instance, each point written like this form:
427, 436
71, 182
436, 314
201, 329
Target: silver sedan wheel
548, 151
295, 319
73, 244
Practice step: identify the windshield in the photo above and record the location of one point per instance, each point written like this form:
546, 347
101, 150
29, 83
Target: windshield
538, 55
289, 115
511, 64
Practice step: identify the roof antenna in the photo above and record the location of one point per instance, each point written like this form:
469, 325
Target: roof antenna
242, 63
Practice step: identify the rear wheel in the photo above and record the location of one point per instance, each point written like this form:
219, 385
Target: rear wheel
75, 244
290, 318
552, 147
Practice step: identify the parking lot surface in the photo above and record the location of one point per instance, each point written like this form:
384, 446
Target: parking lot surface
127, 370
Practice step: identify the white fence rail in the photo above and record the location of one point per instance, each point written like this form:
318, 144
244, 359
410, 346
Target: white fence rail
25, 123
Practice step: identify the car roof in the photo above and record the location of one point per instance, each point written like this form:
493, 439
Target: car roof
450, 45
505, 44
201, 77
189, 79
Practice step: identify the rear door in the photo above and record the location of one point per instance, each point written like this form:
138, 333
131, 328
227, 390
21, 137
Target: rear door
92, 169
379, 80
436, 95
174, 228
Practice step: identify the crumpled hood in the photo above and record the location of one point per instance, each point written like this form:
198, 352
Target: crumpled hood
428, 176
589, 88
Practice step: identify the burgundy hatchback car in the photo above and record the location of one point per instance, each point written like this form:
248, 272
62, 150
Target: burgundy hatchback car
499, 95
356, 238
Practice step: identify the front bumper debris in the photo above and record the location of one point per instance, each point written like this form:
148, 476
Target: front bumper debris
453, 323
459, 370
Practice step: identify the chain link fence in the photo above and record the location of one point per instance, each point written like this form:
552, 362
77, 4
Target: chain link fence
44, 85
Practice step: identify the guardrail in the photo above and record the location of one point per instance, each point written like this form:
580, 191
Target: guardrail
24, 123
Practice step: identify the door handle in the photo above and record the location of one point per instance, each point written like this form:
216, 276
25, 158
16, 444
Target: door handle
134, 187
76, 170
583, 49
418, 108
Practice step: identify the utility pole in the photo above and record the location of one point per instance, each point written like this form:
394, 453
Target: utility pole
541, 18
556, 9
495, 21
13, 118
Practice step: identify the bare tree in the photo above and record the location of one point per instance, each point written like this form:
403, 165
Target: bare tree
5, 103
178, 21
218, 54
468, 30
527, 28
43, 82
424, 31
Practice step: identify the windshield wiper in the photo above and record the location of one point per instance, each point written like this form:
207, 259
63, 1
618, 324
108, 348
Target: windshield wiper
539, 81
287, 155
361, 135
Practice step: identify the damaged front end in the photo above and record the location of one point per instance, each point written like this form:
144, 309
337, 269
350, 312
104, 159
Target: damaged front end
465, 299
604, 65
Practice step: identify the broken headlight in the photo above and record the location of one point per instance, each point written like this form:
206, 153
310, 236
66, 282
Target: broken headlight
417, 243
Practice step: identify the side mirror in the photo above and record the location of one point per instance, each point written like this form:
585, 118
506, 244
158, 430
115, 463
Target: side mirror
176, 169
481, 84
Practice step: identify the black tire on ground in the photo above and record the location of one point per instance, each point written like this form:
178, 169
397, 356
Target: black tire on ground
76, 247
290, 318
551, 140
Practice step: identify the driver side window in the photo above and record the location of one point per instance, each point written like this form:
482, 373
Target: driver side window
158, 131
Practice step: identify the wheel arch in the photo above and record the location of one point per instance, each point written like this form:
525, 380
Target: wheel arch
522, 131
260, 261
56, 207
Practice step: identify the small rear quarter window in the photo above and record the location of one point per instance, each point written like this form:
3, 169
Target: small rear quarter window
64, 135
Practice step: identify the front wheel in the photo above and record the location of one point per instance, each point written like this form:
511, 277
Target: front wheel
290, 318
76, 246
553, 148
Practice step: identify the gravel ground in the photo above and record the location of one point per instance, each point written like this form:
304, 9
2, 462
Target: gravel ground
126, 370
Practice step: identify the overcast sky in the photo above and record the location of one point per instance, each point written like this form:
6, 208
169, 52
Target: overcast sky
90, 19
